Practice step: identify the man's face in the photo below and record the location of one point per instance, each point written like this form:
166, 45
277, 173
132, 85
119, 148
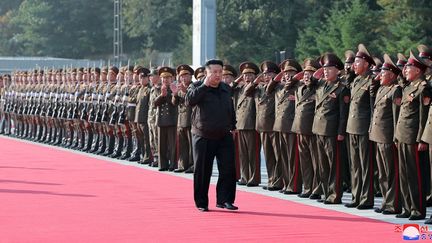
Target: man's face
289, 74
330, 73
387, 77
412, 73
228, 79
104, 76
268, 76
360, 66
215, 72
167, 80
79, 76
348, 66
154, 79
186, 79
144, 80
307, 78
112, 76
249, 77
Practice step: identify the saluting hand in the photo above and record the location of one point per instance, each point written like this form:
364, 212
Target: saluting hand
258, 79
279, 77
318, 74
340, 137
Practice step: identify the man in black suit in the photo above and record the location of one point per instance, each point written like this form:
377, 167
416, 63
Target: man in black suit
213, 119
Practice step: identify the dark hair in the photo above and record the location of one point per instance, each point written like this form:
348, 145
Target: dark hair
213, 62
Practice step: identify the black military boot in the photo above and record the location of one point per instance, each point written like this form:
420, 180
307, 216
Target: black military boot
100, 147
127, 148
110, 145
85, 141
94, 143
118, 147
135, 154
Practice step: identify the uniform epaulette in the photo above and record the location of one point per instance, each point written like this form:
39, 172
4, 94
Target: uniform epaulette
424, 83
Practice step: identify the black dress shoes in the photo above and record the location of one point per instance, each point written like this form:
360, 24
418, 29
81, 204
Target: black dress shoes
228, 206
403, 215
290, 193
320, 200
241, 183
251, 185
203, 209
388, 212
163, 169
330, 202
189, 171
303, 195
351, 205
178, 170
429, 221
363, 207
378, 210
416, 217
315, 196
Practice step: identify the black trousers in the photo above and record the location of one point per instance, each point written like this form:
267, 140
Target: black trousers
204, 152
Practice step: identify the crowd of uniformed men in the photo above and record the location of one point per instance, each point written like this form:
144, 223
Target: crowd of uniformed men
325, 126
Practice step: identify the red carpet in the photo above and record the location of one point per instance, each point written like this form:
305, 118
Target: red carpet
48, 195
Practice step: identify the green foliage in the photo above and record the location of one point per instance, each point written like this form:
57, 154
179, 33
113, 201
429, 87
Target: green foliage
246, 29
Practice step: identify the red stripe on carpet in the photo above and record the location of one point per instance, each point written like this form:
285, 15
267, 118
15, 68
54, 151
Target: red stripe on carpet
49, 195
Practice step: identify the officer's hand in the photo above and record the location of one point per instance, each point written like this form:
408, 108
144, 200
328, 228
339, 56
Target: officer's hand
164, 91
318, 74
174, 88
258, 79
422, 147
299, 76
340, 137
239, 79
279, 77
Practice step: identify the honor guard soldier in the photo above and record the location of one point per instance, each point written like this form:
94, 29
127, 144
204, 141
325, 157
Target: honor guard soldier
166, 121
331, 111
265, 116
381, 131
184, 136
98, 142
286, 151
409, 129
362, 171
302, 126
248, 139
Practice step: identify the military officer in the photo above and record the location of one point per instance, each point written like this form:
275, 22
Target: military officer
265, 116
199, 73
381, 131
286, 141
357, 129
249, 144
166, 121
152, 114
141, 117
329, 124
184, 136
409, 129
302, 125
